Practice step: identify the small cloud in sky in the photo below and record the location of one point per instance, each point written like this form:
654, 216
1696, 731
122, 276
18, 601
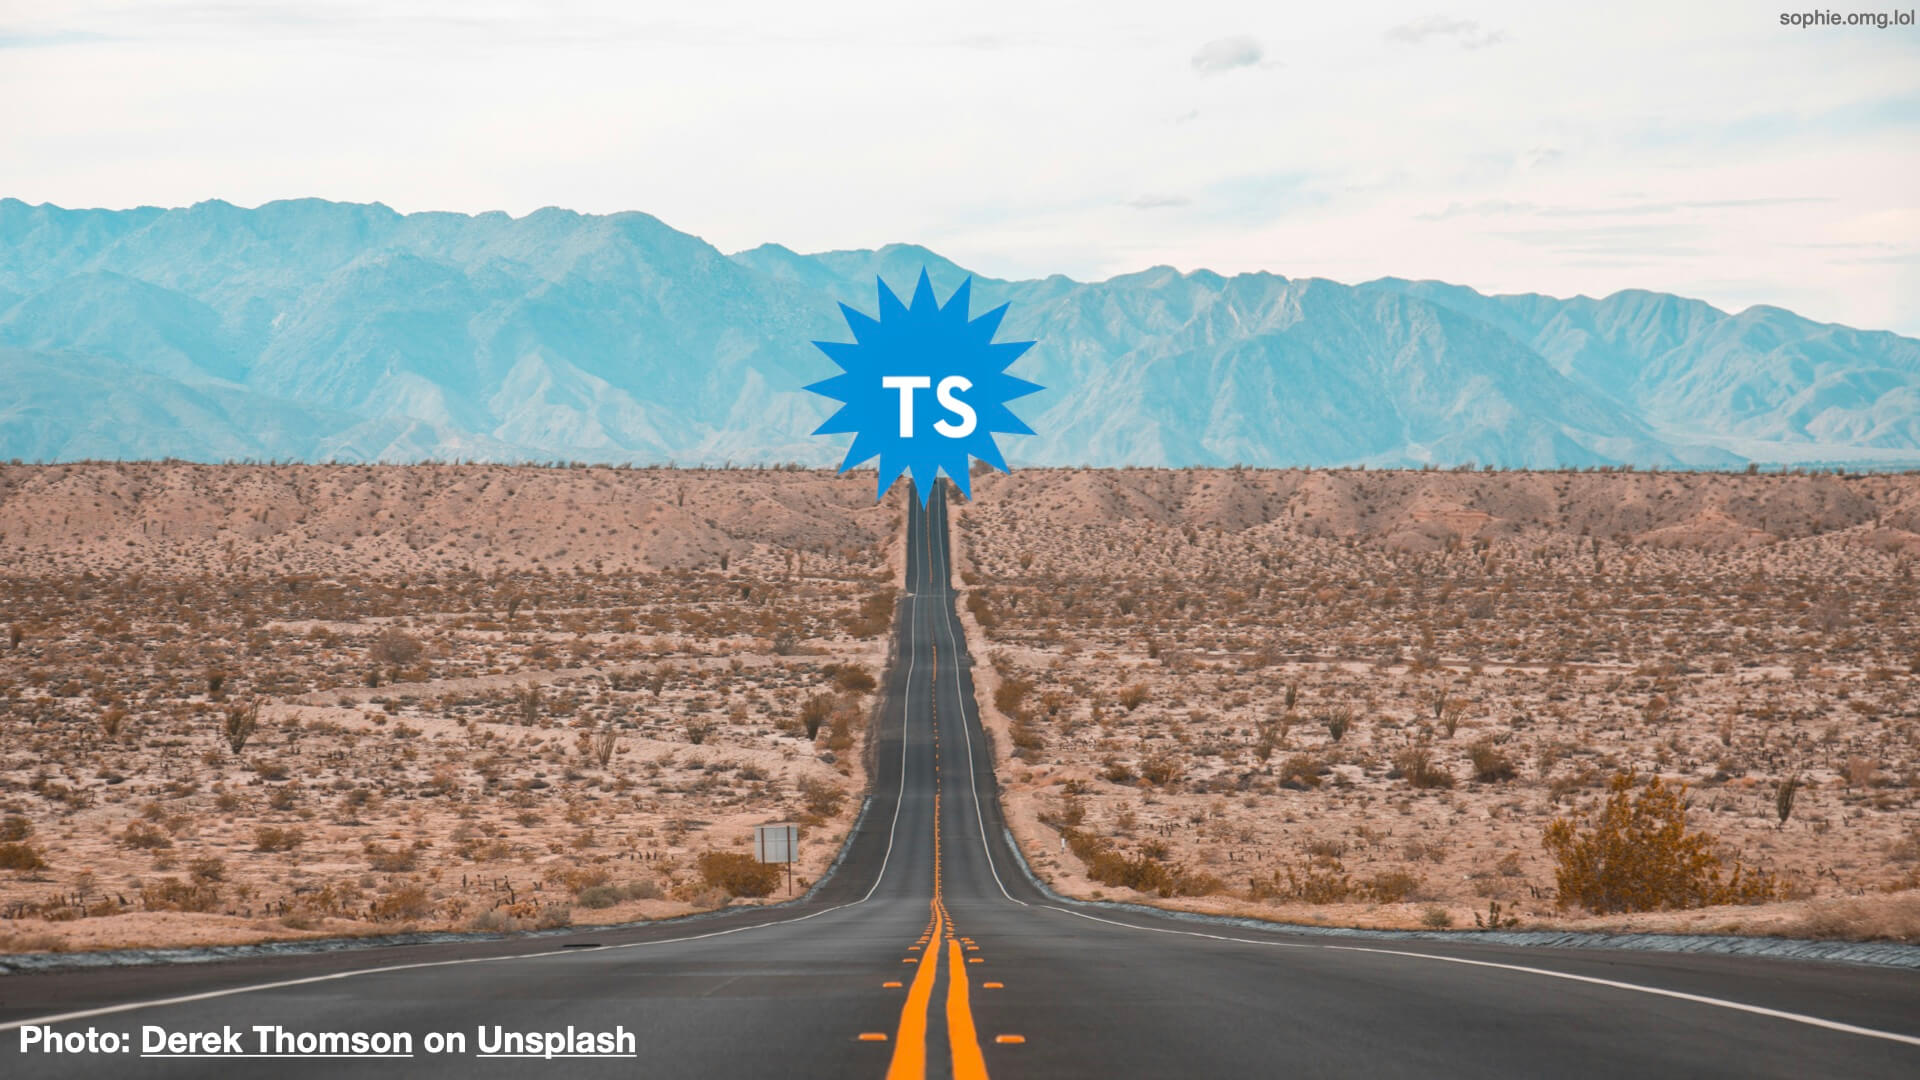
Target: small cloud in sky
1541, 157
1159, 202
50, 40
1485, 208
1641, 208
1464, 32
1224, 54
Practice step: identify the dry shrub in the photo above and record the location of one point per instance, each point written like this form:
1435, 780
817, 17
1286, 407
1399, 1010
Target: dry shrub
815, 712
275, 838
1416, 764
600, 747
1323, 879
20, 857
395, 647
172, 894
1320, 880
854, 678
823, 799
596, 897
404, 903
1332, 849
1027, 738
982, 609
1300, 772
1133, 696
876, 614
493, 922
1144, 872
1903, 849
525, 915
1162, 767
238, 723
846, 716
1109, 867
145, 836
1491, 765
1392, 886
14, 827
1196, 883
1638, 855
391, 862
644, 889
1011, 694
738, 873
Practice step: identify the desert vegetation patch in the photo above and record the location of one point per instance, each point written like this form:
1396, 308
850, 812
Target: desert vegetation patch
1604, 698
250, 702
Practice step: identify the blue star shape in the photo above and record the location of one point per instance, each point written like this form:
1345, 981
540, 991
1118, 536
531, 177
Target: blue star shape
913, 428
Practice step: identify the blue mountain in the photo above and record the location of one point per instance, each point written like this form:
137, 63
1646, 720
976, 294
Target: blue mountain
313, 330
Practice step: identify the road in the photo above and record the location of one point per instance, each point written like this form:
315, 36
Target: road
929, 954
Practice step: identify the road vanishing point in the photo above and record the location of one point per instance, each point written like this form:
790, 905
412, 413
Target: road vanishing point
930, 953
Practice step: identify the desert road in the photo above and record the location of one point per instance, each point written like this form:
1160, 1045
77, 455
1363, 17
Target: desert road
929, 953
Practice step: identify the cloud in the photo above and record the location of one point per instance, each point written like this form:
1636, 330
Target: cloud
1486, 208
1465, 32
49, 40
1159, 202
1224, 54
1542, 156
1497, 207
1631, 209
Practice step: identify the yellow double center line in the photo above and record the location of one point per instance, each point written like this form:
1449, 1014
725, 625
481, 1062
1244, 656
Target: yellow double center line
963, 1041
910, 1043
968, 1064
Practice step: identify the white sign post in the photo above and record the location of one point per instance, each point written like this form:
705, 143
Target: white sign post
778, 844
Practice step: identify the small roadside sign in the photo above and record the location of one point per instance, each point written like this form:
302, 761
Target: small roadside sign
778, 844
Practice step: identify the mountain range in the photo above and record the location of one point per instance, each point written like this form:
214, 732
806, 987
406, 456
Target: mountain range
314, 331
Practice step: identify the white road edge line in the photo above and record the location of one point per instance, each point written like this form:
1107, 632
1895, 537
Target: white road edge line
1701, 999
947, 619
1757, 1010
906, 698
185, 999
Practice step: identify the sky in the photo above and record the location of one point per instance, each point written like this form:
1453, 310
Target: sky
1699, 148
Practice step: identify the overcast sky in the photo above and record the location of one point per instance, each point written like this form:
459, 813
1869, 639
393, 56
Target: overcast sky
1693, 147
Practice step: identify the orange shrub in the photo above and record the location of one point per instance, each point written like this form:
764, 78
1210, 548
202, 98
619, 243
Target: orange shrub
739, 873
1637, 854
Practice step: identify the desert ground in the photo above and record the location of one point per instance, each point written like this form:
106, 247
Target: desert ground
1359, 697
241, 703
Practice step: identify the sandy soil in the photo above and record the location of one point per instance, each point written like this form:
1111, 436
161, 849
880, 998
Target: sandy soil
1234, 673
483, 697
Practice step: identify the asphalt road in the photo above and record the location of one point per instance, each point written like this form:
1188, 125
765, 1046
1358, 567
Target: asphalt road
928, 953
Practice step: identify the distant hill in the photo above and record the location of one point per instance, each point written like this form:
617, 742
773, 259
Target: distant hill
310, 330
